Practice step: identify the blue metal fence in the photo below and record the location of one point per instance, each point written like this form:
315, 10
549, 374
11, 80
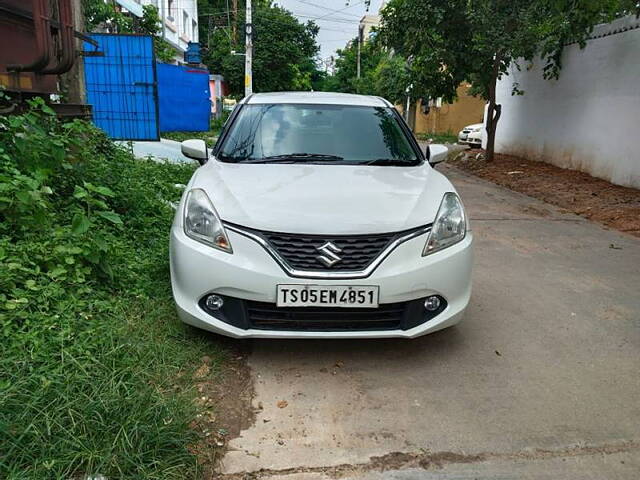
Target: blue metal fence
184, 98
122, 86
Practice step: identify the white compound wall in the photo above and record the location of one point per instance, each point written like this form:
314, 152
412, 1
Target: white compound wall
588, 119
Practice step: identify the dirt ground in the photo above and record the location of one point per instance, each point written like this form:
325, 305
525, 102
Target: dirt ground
598, 200
224, 402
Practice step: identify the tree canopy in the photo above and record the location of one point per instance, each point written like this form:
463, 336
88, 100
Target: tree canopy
345, 77
382, 73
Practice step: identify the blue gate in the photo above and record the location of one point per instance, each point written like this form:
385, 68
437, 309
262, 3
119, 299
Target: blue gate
122, 86
184, 98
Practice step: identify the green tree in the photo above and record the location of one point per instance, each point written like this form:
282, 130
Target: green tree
150, 24
393, 79
284, 49
345, 78
450, 41
382, 72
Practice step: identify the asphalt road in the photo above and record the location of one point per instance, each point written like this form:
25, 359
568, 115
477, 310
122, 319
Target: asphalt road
540, 381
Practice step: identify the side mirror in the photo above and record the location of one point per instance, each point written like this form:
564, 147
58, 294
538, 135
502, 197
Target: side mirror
196, 149
436, 154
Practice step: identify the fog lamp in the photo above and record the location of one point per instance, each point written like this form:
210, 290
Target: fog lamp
214, 302
432, 303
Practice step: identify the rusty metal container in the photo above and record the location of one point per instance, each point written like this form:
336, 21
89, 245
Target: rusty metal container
36, 44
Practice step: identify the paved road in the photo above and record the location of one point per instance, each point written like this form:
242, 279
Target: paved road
541, 381
164, 149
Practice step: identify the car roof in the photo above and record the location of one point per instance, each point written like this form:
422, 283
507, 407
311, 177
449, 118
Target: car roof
317, 98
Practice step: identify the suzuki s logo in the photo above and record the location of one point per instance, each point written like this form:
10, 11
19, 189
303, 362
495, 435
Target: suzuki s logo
328, 254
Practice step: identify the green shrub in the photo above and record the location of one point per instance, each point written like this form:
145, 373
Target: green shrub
94, 367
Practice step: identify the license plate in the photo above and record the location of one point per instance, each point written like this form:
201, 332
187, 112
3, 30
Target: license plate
351, 296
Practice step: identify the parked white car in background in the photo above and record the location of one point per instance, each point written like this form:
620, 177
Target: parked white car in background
317, 215
471, 135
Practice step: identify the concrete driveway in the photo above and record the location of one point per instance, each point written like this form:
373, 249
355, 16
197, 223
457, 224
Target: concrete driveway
164, 149
541, 381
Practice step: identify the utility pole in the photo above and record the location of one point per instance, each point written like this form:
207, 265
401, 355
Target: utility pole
408, 106
360, 32
235, 22
163, 18
248, 31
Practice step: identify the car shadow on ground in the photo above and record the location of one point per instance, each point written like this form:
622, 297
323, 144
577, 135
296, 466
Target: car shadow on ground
438, 345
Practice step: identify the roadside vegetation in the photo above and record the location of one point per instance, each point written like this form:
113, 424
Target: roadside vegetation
210, 136
95, 369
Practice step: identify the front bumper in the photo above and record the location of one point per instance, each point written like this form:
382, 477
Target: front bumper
471, 141
251, 274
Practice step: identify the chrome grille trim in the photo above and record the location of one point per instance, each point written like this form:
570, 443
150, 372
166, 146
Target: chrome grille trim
344, 275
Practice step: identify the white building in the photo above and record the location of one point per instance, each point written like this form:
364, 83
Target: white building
179, 21
367, 22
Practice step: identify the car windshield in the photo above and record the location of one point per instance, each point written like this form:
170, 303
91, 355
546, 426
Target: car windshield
337, 134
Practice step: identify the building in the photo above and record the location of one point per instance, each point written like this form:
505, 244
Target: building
443, 117
179, 21
367, 23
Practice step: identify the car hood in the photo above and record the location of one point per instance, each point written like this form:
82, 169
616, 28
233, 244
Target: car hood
475, 125
323, 199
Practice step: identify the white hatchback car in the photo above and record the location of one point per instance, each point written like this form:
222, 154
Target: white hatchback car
317, 215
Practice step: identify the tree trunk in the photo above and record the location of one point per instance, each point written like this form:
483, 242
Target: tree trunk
494, 110
493, 114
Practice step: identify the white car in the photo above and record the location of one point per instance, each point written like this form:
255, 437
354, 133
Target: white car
471, 135
317, 215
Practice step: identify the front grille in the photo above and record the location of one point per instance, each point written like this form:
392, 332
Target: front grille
300, 251
266, 316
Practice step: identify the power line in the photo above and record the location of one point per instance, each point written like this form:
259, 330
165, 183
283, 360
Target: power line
342, 10
331, 10
337, 20
326, 29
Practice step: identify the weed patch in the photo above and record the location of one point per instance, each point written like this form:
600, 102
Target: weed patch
95, 369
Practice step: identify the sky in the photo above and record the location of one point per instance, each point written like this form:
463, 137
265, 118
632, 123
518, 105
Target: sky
338, 19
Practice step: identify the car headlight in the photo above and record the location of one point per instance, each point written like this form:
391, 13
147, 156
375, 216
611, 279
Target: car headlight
450, 225
202, 223
476, 130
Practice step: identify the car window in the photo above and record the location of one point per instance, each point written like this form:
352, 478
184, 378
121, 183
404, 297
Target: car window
343, 133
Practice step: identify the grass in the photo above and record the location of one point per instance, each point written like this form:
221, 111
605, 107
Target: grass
96, 371
209, 136
119, 403
447, 137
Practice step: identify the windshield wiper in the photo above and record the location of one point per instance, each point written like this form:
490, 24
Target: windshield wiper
388, 162
297, 158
